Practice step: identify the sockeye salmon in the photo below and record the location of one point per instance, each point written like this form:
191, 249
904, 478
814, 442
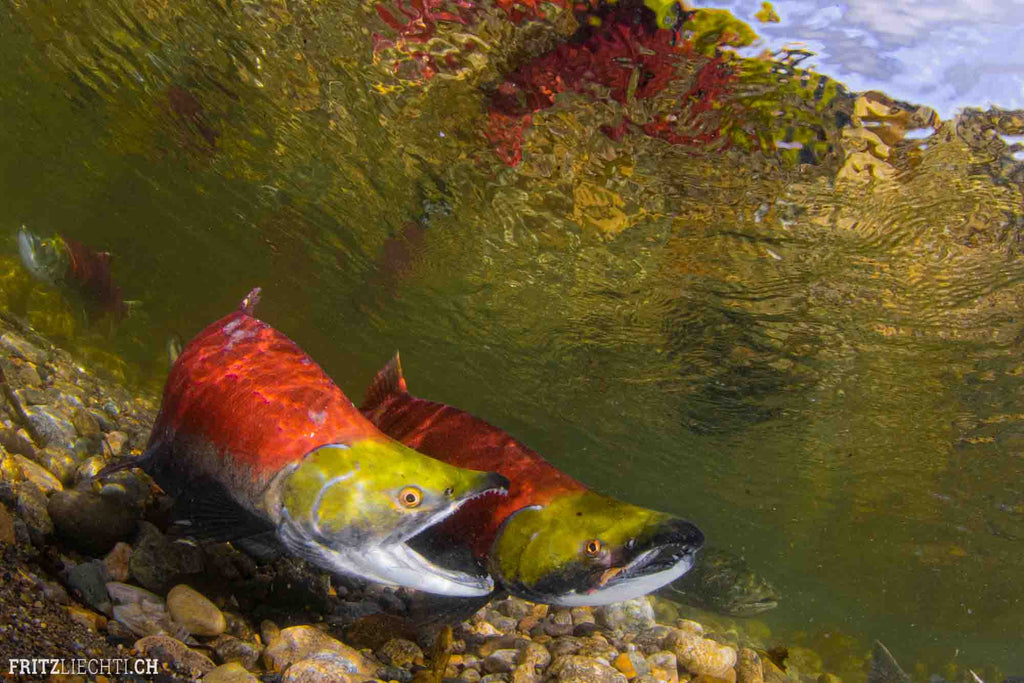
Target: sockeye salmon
71, 266
253, 438
551, 539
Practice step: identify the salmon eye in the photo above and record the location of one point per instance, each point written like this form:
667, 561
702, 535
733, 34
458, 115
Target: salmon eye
410, 496
593, 547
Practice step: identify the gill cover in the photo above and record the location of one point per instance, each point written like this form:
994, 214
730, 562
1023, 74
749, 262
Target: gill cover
589, 549
353, 509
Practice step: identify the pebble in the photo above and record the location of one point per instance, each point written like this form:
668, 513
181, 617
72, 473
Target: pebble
631, 664
401, 653
31, 507
231, 649
157, 563
141, 612
175, 654
651, 640
117, 561
516, 608
38, 475
501, 661
702, 656
301, 642
579, 669
89, 522
269, 631
89, 580
22, 349
52, 428
748, 667
195, 612
629, 615
232, 672
326, 667
114, 442
6, 526
87, 618
535, 655
664, 666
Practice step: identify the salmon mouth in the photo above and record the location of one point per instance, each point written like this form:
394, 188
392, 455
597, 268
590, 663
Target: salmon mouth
393, 560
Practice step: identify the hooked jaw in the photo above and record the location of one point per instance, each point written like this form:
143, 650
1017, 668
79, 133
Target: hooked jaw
37, 256
369, 540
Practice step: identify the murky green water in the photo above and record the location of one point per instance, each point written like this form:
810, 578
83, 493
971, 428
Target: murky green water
754, 302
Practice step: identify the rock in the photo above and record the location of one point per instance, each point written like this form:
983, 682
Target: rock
629, 615
51, 428
701, 655
579, 669
232, 672
195, 612
501, 661
598, 648
134, 488
631, 664
652, 640
89, 581
748, 667
89, 522
141, 612
269, 631
87, 618
664, 666
113, 442
525, 674
582, 615
7, 536
31, 507
175, 654
85, 424
117, 560
157, 563
516, 608
301, 642
690, 626
325, 667
38, 475
231, 649
495, 678
535, 655
401, 653
60, 462
20, 348
88, 469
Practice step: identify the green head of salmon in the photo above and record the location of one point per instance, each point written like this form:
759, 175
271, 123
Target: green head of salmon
353, 509
254, 439
585, 549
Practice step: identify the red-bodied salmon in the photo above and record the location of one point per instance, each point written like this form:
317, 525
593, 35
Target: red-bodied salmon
72, 266
254, 437
551, 539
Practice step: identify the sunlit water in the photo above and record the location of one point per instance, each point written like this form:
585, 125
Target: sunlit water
803, 332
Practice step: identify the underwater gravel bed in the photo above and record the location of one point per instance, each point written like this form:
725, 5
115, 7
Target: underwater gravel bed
88, 571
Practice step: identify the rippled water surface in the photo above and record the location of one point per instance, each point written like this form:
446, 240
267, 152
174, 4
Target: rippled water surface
708, 281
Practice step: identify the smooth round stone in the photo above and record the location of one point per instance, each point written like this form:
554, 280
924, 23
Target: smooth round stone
401, 653
90, 522
195, 612
501, 661
232, 672
89, 579
579, 669
231, 649
117, 561
53, 428
664, 666
175, 654
31, 507
629, 615
322, 668
38, 475
701, 655
296, 643
748, 667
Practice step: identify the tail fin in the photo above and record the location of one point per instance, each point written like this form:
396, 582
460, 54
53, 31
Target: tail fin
388, 382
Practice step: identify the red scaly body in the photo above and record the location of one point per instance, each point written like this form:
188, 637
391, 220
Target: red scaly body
247, 399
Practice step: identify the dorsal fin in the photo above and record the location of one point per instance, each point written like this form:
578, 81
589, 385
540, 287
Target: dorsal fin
388, 382
248, 305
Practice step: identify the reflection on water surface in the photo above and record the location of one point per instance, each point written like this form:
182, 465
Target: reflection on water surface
723, 286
